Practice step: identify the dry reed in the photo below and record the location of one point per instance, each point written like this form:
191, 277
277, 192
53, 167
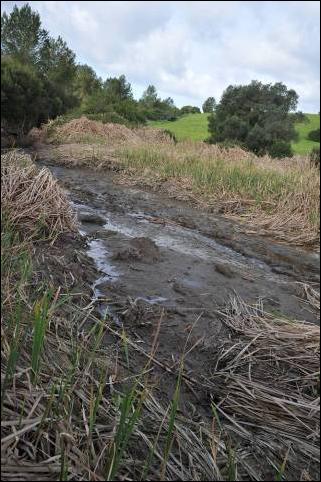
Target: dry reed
267, 381
31, 199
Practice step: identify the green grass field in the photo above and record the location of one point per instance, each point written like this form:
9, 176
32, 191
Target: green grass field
304, 146
191, 126
194, 127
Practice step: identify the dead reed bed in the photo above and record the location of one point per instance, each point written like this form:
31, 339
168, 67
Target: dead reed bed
267, 381
84, 130
31, 199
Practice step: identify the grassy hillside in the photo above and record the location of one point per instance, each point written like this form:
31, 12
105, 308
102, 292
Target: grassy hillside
194, 126
303, 145
191, 126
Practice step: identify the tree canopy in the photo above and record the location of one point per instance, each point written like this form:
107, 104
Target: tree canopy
209, 105
257, 117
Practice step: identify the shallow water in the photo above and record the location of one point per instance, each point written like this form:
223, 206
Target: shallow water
191, 243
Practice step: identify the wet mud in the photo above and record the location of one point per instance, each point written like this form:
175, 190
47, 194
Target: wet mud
157, 258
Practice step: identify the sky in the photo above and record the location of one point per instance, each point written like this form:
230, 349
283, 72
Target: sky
193, 50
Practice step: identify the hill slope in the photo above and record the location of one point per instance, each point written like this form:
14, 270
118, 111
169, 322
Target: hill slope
304, 145
194, 127
190, 126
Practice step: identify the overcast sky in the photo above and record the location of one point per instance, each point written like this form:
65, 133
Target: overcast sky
192, 50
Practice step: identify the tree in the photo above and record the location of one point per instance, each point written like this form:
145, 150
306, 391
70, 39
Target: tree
21, 34
150, 96
21, 92
257, 117
29, 52
169, 101
118, 89
209, 105
86, 81
57, 62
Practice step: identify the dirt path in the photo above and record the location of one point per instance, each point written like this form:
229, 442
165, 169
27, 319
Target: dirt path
156, 255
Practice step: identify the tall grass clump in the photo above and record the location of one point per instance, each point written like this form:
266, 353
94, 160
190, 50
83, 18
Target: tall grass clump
280, 197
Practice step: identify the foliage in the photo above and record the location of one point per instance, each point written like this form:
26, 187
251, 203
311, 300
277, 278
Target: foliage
256, 116
118, 89
189, 109
38, 71
150, 97
314, 135
21, 35
209, 105
121, 111
21, 92
86, 81
154, 108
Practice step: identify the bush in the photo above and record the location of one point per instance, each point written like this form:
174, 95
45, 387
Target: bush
314, 135
21, 91
280, 149
256, 116
189, 109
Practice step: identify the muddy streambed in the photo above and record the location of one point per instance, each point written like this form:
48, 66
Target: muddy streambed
159, 257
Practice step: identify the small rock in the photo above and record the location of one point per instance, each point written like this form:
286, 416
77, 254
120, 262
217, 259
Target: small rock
225, 270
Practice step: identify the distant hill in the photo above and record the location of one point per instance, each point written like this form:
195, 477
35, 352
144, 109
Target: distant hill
194, 127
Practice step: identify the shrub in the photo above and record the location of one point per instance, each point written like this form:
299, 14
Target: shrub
189, 109
280, 149
21, 91
256, 116
314, 135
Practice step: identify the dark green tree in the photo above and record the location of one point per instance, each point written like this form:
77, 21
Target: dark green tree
86, 82
257, 117
21, 34
21, 95
49, 61
118, 89
209, 105
57, 62
150, 97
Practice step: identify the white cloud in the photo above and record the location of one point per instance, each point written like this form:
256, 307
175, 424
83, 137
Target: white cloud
191, 50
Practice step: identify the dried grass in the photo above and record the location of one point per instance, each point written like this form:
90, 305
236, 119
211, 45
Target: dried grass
31, 200
267, 378
109, 134
271, 197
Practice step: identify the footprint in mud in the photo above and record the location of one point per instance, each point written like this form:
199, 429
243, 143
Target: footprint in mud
140, 249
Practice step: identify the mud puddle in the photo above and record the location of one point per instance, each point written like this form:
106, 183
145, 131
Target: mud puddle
187, 258
162, 259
